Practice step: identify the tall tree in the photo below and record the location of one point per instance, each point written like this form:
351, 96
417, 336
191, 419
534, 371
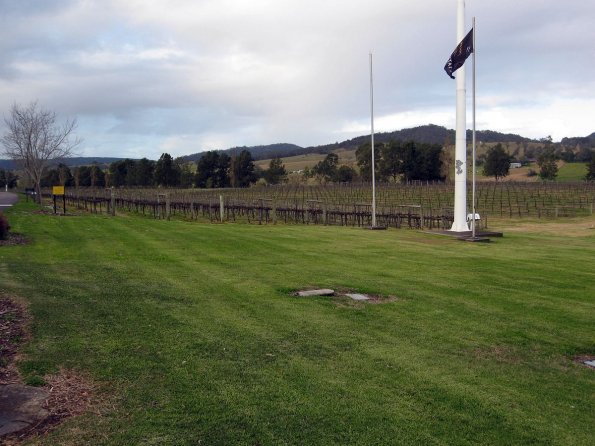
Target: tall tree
390, 161
591, 169
276, 172
84, 176
118, 172
497, 163
409, 158
50, 178
97, 178
548, 169
64, 175
206, 169
346, 174
429, 163
363, 156
167, 173
131, 172
34, 138
144, 172
221, 176
186, 175
327, 168
242, 170
419, 162
76, 176
58, 176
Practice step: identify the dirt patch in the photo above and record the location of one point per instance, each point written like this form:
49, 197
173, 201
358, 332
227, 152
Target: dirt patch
377, 299
14, 239
341, 297
373, 299
14, 330
583, 358
69, 393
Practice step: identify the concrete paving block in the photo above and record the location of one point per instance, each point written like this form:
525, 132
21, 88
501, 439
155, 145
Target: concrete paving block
20, 407
321, 292
356, 296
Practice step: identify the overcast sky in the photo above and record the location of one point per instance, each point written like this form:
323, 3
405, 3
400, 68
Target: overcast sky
145, 77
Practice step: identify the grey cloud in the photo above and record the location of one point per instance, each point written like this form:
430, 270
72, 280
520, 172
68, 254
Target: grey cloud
257, 72
29, 7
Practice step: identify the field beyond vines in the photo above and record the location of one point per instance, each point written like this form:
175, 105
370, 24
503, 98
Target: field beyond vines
191, 334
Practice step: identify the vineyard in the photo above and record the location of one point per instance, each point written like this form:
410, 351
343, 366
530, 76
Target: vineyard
418, 205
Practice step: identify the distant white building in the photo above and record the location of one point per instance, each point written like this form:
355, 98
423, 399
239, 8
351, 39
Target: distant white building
515, 165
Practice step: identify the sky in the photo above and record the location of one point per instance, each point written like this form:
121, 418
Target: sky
144, 77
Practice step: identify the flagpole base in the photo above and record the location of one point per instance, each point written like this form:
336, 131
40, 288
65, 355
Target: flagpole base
459, 227
376, 228
475, 239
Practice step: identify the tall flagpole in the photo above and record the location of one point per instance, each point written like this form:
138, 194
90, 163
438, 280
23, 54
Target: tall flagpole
372, 144
460, 205
473, 195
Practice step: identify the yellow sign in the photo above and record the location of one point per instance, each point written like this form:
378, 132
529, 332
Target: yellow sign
58, 190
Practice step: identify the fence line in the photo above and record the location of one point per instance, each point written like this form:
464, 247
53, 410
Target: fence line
423, 205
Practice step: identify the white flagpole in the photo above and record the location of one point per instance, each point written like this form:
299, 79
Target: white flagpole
473, 194
460, 201
372, 144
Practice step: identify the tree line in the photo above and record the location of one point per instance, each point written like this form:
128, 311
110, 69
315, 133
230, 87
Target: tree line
497, 161
393, 161
34, 139
213, 170
8, 179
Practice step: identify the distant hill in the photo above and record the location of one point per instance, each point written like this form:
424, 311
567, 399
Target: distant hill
87, 160
70, 162
430, 134
258, 152
586, 142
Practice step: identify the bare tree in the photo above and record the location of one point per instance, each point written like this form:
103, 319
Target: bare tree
34, 138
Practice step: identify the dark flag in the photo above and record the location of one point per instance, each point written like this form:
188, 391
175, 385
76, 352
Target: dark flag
460, 54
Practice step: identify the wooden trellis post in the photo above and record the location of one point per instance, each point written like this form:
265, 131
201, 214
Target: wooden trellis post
221, 208
112, 202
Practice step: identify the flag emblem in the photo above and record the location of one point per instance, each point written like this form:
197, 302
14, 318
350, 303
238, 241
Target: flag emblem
460, 54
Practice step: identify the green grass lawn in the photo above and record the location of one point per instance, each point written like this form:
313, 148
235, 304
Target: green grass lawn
190, 331
572, 172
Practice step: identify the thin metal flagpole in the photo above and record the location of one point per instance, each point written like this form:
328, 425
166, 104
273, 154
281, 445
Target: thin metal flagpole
372, 144
473, 194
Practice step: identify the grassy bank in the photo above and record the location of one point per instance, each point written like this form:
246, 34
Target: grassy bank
192, 334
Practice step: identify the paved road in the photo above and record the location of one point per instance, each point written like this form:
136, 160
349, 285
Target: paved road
7, 199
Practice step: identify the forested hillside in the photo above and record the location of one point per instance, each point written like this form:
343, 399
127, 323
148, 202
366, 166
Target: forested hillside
425, 134
587, 141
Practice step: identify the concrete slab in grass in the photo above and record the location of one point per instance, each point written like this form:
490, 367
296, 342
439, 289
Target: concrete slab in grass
312, 293
357, 296
21, 407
